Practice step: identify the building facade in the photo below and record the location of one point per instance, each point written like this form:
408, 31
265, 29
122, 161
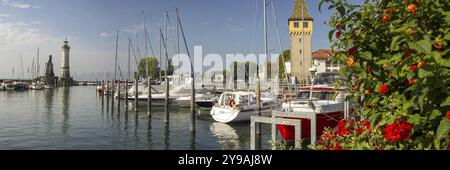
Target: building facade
301, 29
323, 61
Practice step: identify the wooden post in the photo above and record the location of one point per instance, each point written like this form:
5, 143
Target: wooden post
107, 96
136, 99
126, 94
149, 98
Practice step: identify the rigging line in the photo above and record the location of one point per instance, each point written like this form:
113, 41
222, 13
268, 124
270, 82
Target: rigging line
187, 49
134, 53
255, 21
120, 71
172, 32
150, 43
280, 43
147, 38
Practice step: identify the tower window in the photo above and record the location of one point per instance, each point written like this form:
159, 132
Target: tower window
300, 40
300, 51
296, 25
305, 24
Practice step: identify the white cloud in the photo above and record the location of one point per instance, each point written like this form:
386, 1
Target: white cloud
36, 22
16, 34
135, 28
105, 35
230, 19
5, 15
16, 4
237, 29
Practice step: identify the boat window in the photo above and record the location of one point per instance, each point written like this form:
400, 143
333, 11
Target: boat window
320, 95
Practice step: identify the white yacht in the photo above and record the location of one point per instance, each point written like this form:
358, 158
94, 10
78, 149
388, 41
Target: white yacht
239, 106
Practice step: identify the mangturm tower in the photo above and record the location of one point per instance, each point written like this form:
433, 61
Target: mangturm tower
300, 29
65, 79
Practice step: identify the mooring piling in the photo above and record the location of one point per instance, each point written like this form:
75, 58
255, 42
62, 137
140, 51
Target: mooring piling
136, 97
149, 99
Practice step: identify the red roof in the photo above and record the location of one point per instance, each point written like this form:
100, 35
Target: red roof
323, 54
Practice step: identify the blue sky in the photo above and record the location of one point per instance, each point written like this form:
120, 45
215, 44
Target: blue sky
220, 26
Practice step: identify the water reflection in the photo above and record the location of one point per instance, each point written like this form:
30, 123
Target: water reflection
166, 136
226, 136
65, 109
49, 108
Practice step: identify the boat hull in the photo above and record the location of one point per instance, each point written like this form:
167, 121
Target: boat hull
229, 115
323, 120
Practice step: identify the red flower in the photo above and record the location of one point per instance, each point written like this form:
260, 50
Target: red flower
413, 67
338, 35
384, 89
397, 131
448, 115
411, 81
385, 18
388, 11
337, 147
352, 51
408, 53
342, 128
364, 126
370, 70
412, 8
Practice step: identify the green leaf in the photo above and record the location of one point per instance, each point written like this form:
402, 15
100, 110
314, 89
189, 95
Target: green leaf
341, 10
446, 102
330, 35
382, 62
394, 44
425, 45
447, 37
415, 119
438, 57
424, 73
434, 114
366, 55
443, 129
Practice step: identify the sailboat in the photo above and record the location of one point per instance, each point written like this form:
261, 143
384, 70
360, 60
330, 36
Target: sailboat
240, 106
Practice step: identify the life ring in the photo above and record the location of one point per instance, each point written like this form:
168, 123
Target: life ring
232, 103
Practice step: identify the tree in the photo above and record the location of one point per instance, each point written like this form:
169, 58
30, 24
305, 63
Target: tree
153, 69
397, 55
281, 66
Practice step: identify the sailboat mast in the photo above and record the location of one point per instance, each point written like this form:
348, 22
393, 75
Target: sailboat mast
37, 64
160, 57
115, 60
145, 32
303, 39
178, 36
129, 58
21, 63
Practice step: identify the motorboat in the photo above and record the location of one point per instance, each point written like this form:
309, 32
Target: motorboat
37, 86
326, 102
238, 106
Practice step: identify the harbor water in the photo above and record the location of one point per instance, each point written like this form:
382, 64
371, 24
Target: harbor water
76, 118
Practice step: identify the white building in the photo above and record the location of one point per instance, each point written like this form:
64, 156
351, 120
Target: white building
322, 59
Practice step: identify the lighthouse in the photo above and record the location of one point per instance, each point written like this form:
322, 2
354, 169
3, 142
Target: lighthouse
65, 79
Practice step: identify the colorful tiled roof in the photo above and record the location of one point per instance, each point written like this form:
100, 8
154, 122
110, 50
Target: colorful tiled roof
299, 7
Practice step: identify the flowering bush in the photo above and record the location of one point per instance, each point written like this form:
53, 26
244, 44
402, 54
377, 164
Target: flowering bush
397, 55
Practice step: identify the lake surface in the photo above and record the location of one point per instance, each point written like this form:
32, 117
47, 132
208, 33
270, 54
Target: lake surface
76, 118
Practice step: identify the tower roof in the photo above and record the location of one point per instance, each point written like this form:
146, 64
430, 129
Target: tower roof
300, 11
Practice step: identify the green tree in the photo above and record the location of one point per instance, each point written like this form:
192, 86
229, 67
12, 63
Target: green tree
153, 69
281, 66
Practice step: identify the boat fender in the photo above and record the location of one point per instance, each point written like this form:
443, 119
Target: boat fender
232, 103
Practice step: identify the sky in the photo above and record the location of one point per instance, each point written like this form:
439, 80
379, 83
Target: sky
219, 26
